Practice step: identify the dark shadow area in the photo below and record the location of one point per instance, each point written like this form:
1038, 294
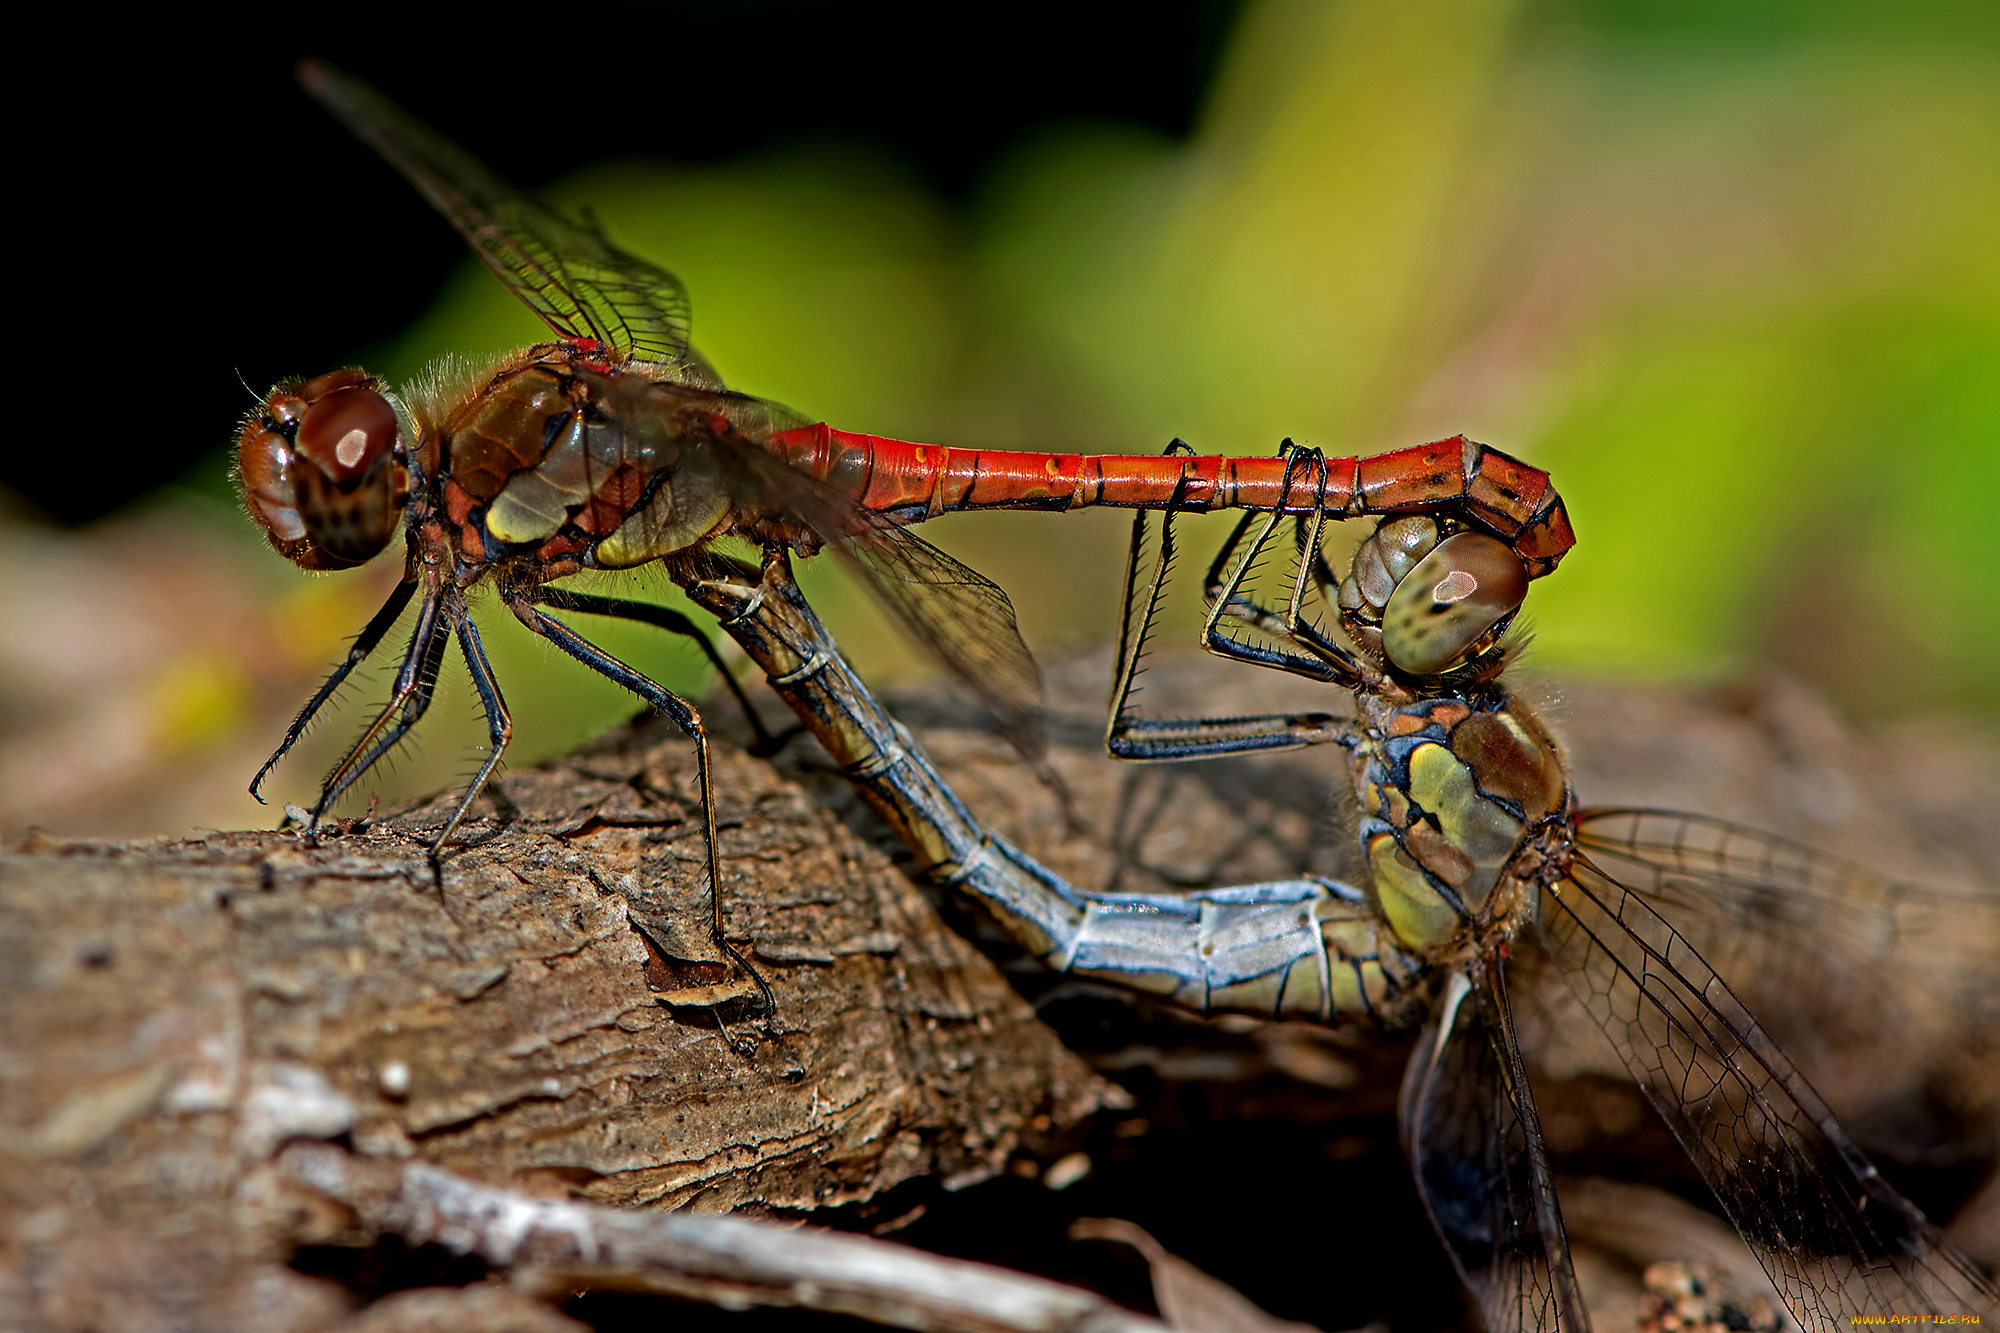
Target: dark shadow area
374, 1271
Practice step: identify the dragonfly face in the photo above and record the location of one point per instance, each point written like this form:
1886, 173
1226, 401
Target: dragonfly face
1453, 777
1428, 603
612, 446
323, 470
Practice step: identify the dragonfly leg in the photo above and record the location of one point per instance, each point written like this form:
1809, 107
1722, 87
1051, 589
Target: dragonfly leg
413, 712
364, 643
1223, 582
1228, 603
1139, 739
1314, 575
499, 730
672, 621
1132, 637
689, 721
416, 681
1240, 606
1327, 660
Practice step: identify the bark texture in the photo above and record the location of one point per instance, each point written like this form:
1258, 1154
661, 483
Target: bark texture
177, 1009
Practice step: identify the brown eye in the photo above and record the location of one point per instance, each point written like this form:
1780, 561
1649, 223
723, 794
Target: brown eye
1387, 556
347, 432
319, 470
263, 466
1453, 596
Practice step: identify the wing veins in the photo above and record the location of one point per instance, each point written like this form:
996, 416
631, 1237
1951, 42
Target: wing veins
1845, 1214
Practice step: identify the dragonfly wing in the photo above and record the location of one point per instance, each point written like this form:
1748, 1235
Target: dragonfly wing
583, 287
1882, 992
1837, 1241
962, 618
1473, 1139
965, 622
1731, 887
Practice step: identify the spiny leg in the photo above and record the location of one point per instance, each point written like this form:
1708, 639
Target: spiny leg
499, 730
666, 618
364, 643
1146, 740
1296, 627
1226, 577
1124, 722
1228, 601
688, 720
415, 681
1328, 661
1131, 642
413, 712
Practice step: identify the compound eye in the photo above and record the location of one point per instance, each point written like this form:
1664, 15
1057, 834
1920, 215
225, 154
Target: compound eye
347, 432
1454, 595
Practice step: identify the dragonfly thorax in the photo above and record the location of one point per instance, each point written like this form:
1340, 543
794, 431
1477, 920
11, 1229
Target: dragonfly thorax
1452, 788
567, 465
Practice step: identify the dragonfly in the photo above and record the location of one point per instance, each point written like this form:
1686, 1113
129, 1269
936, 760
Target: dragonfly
1479, 859
615, 445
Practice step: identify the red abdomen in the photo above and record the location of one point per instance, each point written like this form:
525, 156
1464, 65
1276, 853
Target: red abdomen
1490, 488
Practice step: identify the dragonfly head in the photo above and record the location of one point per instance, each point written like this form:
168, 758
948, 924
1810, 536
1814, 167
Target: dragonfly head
1429, 601
323, 469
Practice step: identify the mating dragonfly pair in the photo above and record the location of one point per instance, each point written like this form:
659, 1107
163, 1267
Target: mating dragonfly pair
616, 446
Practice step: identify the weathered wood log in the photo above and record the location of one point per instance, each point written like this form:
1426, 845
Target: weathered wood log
176, 1009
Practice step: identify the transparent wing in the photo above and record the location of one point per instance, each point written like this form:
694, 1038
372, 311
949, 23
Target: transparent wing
1871, 984
1473, 1139
1752, 886
585, 288
964, 621
1837, 1241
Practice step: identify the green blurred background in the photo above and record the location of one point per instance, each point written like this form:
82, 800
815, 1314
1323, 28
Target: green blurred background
1729, 271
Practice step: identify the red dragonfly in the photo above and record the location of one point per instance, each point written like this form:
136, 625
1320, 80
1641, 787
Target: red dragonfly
616, 445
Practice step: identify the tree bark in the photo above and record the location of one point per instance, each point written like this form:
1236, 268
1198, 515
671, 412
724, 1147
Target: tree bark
177, 1008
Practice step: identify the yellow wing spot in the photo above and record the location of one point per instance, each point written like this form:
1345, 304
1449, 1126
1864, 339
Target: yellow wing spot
1374, 982
531, 507
1344, 987
667, 524
1437, 778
